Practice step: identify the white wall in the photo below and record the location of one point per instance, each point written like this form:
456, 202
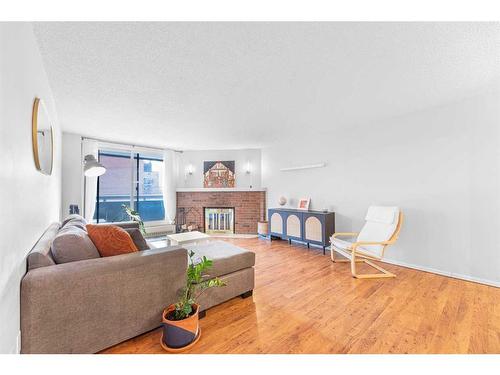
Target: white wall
441, 166
72, 176
29, 200
241, 158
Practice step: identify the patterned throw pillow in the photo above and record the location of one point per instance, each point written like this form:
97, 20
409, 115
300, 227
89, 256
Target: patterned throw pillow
111, 240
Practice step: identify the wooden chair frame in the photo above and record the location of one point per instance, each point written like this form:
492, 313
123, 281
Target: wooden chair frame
355, 255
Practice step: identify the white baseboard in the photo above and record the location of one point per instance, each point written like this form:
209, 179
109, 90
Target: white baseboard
444, 273
438, 272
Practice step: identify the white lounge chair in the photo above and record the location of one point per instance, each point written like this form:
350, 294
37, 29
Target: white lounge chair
381, 229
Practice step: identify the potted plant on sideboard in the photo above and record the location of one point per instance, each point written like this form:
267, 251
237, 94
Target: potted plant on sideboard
181, 329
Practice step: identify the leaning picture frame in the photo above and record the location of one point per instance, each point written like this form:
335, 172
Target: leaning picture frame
304, 203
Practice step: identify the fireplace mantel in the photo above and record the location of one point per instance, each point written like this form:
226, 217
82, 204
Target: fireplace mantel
216, 190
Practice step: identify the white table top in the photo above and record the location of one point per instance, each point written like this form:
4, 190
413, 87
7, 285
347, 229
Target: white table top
187, 236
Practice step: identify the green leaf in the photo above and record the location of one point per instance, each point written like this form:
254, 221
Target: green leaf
134, 216
196, 282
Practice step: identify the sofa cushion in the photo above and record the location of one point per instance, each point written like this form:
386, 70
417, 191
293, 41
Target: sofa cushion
226, 257
139, 240
111, 240
40, 255
72, 244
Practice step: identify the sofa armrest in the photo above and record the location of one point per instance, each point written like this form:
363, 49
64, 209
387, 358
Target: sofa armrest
89, 305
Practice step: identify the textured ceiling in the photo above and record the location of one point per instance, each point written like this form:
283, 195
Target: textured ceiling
245, 85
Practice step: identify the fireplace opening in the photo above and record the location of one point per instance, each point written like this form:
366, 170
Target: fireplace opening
219, 220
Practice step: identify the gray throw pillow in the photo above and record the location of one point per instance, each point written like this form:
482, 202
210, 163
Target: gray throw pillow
138, 238
71, 244
76, 223
74, 218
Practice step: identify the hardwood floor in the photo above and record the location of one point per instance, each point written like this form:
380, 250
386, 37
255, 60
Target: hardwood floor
303, 303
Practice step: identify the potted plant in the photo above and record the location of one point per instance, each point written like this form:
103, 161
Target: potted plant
134, 216
180, 320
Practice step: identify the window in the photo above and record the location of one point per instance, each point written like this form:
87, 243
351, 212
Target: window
134, 179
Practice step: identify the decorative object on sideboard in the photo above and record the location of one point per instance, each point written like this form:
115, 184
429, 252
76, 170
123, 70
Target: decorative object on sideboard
304, 203
219, 174
42, 138
282, 201
181, 327
92, 168
311, 166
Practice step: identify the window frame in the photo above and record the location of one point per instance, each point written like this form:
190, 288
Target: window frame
135, 158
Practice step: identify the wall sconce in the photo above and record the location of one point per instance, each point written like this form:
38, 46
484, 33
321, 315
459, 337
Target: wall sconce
189, 169
248, 168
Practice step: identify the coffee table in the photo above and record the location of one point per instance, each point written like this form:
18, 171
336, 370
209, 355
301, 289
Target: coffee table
187, 237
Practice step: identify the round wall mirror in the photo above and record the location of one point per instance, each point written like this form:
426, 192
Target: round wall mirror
43, 141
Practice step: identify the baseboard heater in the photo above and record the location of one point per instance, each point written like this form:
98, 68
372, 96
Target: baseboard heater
159, 230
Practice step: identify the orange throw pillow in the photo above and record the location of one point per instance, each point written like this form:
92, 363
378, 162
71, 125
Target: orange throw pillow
111, 240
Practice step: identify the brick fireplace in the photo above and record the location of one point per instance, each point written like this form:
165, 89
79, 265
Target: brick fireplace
249, 207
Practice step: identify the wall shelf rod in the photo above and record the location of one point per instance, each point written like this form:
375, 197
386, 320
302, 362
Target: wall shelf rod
319, 165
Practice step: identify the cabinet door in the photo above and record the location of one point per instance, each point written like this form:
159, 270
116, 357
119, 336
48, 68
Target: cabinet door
293, 225
314, 231
276, 223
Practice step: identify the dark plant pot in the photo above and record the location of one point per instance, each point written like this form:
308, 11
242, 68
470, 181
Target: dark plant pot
179, 335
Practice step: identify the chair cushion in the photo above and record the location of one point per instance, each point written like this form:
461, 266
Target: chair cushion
346, 245
226, 257
111, 240
139, 240
380, 214
381, 223
71, 244
376, 232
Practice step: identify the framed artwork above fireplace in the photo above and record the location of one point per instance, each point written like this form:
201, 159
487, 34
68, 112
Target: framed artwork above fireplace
218, 174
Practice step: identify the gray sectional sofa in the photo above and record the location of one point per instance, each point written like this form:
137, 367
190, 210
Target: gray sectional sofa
84, 306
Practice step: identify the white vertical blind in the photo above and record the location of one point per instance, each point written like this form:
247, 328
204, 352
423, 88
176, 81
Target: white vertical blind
90, 147
170, 163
